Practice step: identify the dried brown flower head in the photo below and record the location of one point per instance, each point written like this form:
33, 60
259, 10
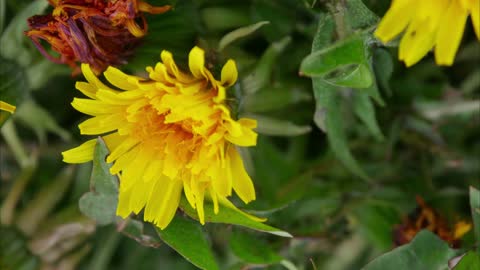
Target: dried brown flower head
101, 33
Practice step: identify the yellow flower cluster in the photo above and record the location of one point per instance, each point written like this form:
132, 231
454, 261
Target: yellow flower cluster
169, 133
429, 24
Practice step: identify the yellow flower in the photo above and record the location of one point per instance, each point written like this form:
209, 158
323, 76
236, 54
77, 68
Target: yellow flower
170, 133
428, 24
7, 107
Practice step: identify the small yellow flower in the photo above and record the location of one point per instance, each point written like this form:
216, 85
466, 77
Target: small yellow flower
170, 133
7, 107
428, 24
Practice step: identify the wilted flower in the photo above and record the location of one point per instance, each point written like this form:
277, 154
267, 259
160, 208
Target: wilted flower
426, 217
171, 133
98, 32
428, 24
4, 106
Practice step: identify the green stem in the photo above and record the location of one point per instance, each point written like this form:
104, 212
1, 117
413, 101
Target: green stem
11, 138
8, 207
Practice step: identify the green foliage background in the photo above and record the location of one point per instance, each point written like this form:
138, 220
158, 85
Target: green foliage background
348, 138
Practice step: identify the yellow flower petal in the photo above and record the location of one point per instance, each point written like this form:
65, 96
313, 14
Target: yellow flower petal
395, 20
4, 106
80, 154
450, 33
242, 184
229, 73
196, 62
461, 228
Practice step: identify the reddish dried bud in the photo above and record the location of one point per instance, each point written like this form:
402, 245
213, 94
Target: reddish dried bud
99, 32
425, 217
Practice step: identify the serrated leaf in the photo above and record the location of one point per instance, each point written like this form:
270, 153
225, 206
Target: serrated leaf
230, 216
13, 85
102, 181
425, 251
252, 250
469, 261
475, 206
363, 108
239, 33
358, 15
189, 240
100, 203
276, 127
99, 207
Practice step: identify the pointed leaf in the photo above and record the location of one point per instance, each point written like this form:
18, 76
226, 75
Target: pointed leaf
230, 216
276, 127
239, 33
188, 239
364, 110
252, 250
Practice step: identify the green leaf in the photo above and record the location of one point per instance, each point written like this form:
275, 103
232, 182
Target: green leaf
14, 253
343, 64
475, 206
239, 33
188, 239
274, 98
358, 15
251, 249
426, 251
99, 207
13, 39
13, 85
100, 203
40, 120
230, 216
383, 67
328, 115
260, 76
469, 261
347, 52
276, 127
364, 109
357, 77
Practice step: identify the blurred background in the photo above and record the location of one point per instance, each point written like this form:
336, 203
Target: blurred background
341, 182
